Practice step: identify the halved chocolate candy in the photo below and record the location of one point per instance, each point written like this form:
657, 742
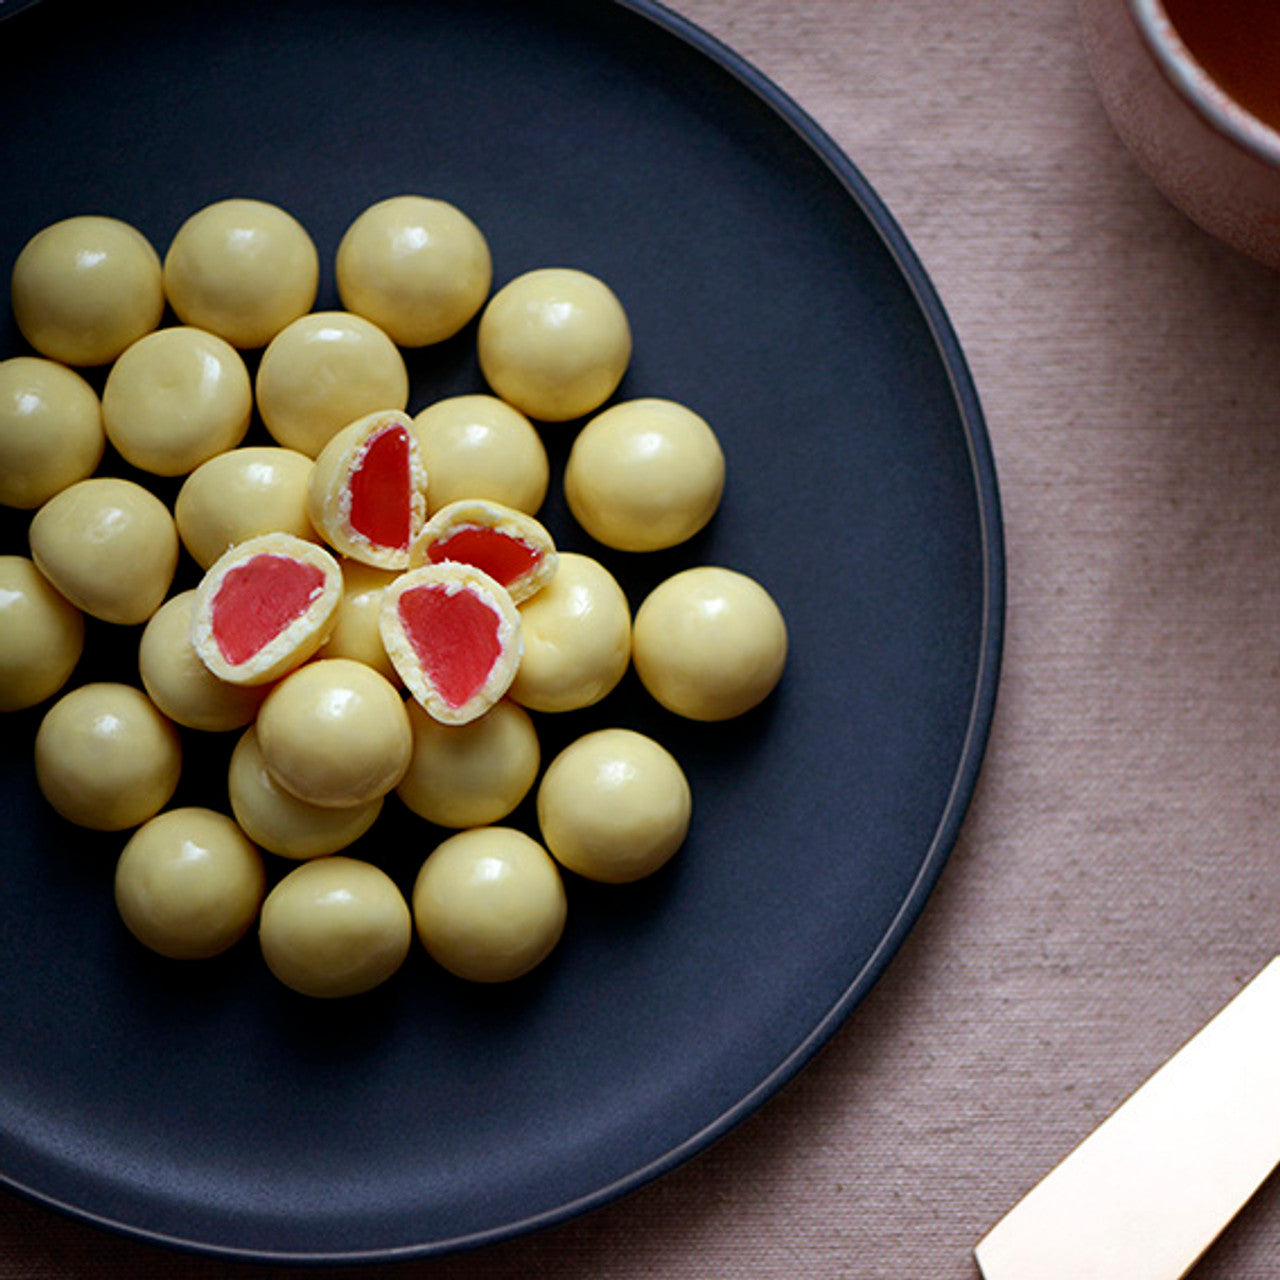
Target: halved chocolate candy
367, 491
264, 607
511, 547
453, 635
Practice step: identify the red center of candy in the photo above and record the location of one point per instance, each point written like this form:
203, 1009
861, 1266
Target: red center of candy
381, 507
501, 556
455, 637
257, 600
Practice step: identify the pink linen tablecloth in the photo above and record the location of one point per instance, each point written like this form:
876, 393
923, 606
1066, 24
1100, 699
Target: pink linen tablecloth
1116, 881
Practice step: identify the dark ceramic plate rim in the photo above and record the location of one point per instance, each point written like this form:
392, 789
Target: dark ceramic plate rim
964, 781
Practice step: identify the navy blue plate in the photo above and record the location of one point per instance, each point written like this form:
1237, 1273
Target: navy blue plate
207, 1107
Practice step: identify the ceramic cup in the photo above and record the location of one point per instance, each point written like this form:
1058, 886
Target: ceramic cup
1214, 159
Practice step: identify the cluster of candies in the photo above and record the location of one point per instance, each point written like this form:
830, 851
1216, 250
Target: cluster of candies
379, 611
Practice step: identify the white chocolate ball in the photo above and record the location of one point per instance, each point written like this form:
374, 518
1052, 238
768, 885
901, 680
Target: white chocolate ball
614, 806
577, 638
189, 884
241, 494
709, 643
480, 447
453, 634
644, 475
367, 495
106, 758
282, 823
264, 608
50, 430
470, 775
242, 269
418, 268
335, 927
356, 633
179, 683
175, 399
335, 733
110, 546
41, 636
489, 904
85, 288
324, 371
555, 343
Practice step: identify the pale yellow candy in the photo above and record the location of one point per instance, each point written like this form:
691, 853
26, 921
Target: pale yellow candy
436, 621
110, 546
510, 545
242, 269
335, 927
614, 806
489, 904
555, 343
419, 268
85, 288
41, 636
180, 684
335, 733
282, 823
189, 884
50, 430
577, 638
331, 502
709, 643
356, 634
175, 399
644, 475
241, 494
324, 371
480, 447
106, 758
264, 607
473, 774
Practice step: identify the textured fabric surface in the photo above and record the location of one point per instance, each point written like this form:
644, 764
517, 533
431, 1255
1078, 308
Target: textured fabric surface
1116, 882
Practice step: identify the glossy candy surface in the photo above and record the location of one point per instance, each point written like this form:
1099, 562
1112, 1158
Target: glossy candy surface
323, 371
106, 758
614, 806
50, 430
474, 774
554, 343
188, 884
175, 399
335, 734
180, 683
710, 643
242, 269
479, 447
416, 266
280, 822
644, 475
240, 495
335, 927
86, 287
41, 635
577, 638
489, 904
109, 545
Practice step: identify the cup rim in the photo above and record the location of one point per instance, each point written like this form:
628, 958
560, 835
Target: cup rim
1199, 88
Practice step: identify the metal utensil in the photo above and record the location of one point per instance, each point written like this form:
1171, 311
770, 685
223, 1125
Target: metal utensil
1147, 1192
